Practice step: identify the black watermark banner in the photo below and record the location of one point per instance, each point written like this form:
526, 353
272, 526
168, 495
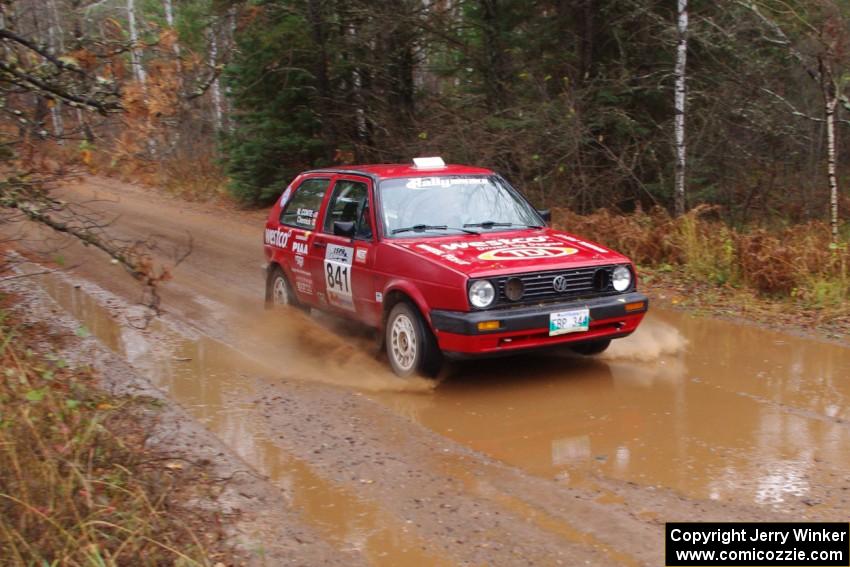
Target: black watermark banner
693, 544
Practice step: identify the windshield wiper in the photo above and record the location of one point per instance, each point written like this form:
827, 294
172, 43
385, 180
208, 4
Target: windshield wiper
487, 225
424, 227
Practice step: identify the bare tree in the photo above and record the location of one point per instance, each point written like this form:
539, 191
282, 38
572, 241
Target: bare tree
135, 52
57, 47
215, 89
826, 39
680, 104
169, 19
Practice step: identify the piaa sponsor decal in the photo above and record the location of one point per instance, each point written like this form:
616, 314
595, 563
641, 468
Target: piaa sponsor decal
530, 253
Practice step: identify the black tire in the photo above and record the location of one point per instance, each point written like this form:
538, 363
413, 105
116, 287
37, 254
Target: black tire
278, 290
411, 346
591, 347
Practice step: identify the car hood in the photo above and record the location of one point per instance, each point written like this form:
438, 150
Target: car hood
496, 253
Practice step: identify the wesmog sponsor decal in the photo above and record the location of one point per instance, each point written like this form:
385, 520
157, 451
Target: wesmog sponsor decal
535, 253
277, 238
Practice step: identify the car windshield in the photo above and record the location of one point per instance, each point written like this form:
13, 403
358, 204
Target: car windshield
452, 204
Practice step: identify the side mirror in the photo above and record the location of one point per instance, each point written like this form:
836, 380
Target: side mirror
344, 229
546, 214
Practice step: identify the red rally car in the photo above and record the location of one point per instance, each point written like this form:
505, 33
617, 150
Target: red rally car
444, 260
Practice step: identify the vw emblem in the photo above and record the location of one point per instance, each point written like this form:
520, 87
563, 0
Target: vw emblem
560, 283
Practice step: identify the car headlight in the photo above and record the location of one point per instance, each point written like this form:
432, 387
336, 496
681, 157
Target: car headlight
481, 293
621, 278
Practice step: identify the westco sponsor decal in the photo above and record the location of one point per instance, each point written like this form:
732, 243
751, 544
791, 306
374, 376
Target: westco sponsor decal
277, 237
529, 253
520, 242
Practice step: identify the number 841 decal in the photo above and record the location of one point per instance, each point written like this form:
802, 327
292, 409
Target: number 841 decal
338, 275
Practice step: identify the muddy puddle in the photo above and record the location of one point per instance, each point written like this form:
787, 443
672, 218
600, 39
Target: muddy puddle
710, 409
213, 382
706, 408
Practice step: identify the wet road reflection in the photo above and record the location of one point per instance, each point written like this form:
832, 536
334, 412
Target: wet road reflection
212, 382
738, 412
707, 408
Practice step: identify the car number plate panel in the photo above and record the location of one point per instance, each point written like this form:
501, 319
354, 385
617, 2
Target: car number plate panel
564, 322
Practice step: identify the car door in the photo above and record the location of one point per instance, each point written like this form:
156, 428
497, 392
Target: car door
342, 252
298, 219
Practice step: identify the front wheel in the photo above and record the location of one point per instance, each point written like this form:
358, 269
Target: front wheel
411, 347
591, 347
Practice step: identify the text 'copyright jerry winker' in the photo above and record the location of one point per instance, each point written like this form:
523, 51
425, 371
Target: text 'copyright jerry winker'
752, 543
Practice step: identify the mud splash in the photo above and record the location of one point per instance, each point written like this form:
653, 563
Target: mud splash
214, 382
655, 340
322, 348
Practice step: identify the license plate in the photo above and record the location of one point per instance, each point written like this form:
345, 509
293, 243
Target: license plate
565, 322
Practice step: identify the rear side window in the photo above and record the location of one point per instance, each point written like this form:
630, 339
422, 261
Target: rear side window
302, 210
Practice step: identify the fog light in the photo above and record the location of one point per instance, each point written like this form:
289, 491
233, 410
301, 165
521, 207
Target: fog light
489, 325
636, 306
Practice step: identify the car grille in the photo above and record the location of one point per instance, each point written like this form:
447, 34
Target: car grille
538, 286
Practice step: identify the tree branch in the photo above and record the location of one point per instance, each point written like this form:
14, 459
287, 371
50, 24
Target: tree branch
799, 114
23, 79
205, 86
9, 35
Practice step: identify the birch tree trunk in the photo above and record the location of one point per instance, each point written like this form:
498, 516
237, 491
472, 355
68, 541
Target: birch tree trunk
135, 52
830, 107
57, 47
169, 19
680, 103
357, 83
215, 88
231, 46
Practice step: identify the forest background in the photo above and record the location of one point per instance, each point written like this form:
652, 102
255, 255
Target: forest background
700, 136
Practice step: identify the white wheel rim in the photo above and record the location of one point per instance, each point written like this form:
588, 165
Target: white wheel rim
403, 342
280, 292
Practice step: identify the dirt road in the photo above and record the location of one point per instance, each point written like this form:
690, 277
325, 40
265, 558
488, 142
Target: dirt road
534, 460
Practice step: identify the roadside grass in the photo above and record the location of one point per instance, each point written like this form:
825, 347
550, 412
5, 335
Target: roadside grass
796, 264
77, 486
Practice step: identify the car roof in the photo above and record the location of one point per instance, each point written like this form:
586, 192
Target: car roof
392, 170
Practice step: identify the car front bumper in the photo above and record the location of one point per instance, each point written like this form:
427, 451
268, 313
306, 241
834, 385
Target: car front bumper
528, 327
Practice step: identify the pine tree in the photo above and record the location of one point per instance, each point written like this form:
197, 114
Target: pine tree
277, 131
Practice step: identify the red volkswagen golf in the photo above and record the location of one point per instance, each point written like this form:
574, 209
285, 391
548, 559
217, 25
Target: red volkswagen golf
444, 260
